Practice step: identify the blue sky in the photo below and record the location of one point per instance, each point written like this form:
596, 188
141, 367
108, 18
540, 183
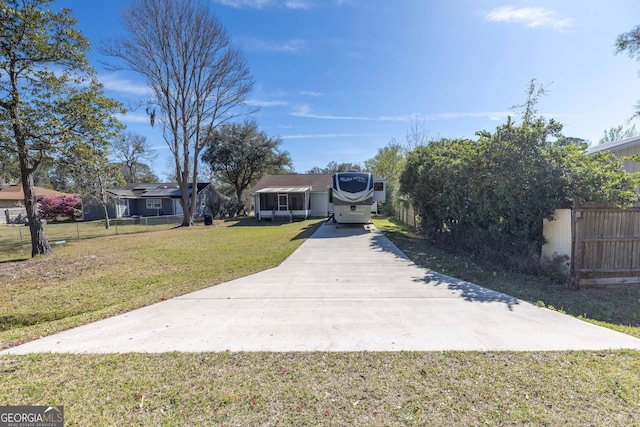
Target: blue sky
338, 79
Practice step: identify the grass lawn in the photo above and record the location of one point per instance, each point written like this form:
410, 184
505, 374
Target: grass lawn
87, 280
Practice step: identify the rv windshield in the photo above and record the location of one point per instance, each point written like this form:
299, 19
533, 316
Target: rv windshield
354, 182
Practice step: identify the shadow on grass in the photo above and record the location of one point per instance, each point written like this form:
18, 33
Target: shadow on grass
5, 261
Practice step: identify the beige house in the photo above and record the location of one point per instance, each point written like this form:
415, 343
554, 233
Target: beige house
622, 148
292, 196
12, 200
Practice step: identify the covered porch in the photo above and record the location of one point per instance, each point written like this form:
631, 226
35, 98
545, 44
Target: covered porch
283, 204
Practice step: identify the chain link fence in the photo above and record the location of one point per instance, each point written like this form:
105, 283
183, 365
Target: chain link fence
16, 236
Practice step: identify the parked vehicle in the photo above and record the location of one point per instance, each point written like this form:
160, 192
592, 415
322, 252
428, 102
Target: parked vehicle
352, 196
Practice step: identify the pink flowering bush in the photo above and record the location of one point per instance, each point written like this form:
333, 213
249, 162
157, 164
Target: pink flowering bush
67, 207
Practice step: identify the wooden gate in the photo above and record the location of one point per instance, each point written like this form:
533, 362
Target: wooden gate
606, 246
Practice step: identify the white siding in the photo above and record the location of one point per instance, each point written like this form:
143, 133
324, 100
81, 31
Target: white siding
319, 204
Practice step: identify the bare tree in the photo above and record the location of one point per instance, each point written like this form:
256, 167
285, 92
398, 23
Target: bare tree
418, 134
199, 79
131, 148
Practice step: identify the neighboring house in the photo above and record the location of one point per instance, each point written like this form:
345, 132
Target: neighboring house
12, 200
622, 148
140, 200
292, 196
560, 234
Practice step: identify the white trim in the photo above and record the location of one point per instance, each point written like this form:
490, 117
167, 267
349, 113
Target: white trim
615, 145
153, 203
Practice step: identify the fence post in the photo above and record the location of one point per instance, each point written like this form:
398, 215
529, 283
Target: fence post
78, 231
146, 224
577, 255
21, 242
115, 223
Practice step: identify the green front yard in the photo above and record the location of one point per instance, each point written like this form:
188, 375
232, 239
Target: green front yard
90, 279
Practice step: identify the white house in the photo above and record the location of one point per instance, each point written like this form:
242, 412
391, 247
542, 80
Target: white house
292, 196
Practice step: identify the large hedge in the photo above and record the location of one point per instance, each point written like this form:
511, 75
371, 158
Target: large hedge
505, 183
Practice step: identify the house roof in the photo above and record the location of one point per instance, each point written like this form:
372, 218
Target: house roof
615, 145
283, 190
14, 192
156, 191
315, 182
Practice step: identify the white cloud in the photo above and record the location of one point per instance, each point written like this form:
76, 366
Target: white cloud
305, 111
133, 118
117, 84
294, 46
261, 103
532, 17
491, 115
328, 135
310, 93
297, 4
240, 4
261, 4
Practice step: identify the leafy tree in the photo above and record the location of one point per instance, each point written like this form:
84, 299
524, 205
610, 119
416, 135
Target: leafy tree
92, 173
50, 99
617, 133
241, 154
9, 168
388, 163
131, 148
629, 42
199, 79
592, 178
504, 184
143, 173
333, 167
438, 178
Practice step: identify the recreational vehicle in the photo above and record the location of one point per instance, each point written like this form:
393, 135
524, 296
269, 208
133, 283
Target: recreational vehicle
352, 195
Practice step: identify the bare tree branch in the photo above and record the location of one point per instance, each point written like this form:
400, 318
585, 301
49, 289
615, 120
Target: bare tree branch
199, 79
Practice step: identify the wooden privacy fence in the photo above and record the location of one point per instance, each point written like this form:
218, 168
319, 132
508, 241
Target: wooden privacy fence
606, 246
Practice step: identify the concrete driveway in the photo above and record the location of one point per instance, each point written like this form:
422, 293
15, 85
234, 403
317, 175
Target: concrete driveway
346, 288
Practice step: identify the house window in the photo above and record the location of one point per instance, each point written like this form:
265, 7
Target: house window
154, 204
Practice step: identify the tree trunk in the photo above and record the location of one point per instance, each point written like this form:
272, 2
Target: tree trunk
39, 243
107, 225
183, 182
104, 201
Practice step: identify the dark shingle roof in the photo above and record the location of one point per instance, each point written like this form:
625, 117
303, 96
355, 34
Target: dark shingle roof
157, 191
